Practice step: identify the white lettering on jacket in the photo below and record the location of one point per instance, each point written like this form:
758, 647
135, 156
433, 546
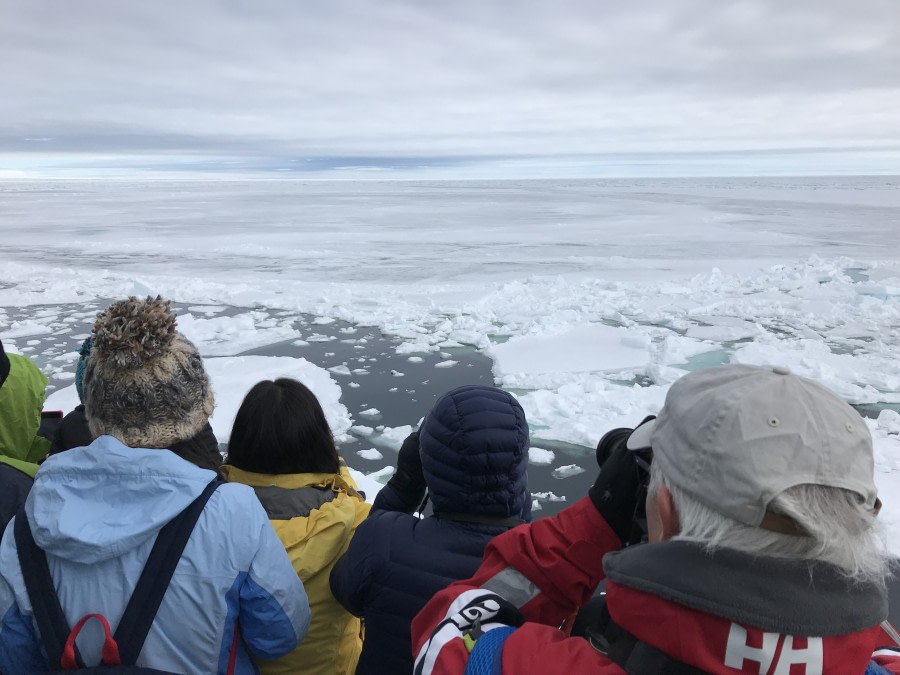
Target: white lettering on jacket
738, 650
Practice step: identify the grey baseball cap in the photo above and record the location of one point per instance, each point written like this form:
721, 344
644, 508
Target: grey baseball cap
734, 437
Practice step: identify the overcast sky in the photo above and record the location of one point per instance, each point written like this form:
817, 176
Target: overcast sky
431, 86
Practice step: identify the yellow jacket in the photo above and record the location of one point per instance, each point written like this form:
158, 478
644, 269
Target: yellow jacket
315, 516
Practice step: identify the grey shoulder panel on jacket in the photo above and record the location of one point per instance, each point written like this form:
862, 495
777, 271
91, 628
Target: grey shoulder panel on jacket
286, 503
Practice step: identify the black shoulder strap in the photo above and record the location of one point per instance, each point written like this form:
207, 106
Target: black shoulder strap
632, 655
48, 614
158, 570
145, 600
477, 519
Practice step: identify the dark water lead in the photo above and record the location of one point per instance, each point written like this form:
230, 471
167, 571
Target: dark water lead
402, 387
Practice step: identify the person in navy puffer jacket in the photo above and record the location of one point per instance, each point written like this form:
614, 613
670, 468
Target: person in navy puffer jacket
471, 454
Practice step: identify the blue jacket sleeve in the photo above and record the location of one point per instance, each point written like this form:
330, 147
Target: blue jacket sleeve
274, 614
20, 650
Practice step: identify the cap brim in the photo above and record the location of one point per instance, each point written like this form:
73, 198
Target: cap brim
640, 437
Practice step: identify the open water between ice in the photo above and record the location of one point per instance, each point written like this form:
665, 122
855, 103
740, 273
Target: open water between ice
361, 359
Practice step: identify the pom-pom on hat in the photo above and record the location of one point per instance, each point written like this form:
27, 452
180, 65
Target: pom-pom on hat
144, 382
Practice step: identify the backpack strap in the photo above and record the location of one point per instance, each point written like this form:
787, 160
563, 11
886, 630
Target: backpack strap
632, 655
48, 614
145, 600
158, 570
478, 519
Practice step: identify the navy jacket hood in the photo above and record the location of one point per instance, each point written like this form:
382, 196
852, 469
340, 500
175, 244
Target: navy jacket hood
474, 448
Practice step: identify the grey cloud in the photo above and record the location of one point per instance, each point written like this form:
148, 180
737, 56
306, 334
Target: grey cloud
463, 78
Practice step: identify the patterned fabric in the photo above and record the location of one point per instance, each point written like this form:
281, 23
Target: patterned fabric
144, 382
486, 656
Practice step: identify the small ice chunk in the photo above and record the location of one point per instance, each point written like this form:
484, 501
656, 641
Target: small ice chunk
394, 436
415, 359
382, 474
370, 412
567, 471
371, 454
340, 370
300, 343
396, 373
540, 456
446, 364
362, 430
548, 496
353, 385
322, 321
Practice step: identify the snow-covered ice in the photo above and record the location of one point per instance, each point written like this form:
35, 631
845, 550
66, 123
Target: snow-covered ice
592, 297
540, 456
567, 471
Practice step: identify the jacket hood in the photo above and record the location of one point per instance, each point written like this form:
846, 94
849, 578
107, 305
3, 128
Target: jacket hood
474, 449
21, 400
94, 503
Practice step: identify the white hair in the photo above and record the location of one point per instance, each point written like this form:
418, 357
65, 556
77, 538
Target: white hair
841, 530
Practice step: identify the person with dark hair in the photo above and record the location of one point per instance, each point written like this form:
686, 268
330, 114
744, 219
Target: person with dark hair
72, 431
96, 513
471, 456
281, 446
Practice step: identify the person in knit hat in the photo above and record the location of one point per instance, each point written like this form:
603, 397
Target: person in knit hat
96, 511
144, 382
201, 448
73, 431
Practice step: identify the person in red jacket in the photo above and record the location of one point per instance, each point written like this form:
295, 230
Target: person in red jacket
763, 553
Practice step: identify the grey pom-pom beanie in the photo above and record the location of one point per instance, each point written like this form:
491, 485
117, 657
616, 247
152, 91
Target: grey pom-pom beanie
144, 382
